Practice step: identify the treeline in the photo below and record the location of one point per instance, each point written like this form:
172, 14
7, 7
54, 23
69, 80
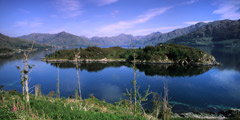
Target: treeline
149, 53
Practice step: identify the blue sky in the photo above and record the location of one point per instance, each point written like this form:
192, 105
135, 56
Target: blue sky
109, 17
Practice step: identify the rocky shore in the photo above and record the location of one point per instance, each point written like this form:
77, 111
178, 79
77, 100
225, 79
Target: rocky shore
207, 61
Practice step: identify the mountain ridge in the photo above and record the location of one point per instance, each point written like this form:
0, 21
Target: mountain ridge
224, 33
67, 39
61, 39
17, 43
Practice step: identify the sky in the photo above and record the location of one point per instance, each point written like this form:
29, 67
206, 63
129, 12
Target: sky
110, 17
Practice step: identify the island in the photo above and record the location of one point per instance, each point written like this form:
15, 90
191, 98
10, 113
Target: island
161, 53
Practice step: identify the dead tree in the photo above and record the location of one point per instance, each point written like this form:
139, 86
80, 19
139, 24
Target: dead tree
134, 78
77, 55
38, 90
27, 70
22, 78
58, 84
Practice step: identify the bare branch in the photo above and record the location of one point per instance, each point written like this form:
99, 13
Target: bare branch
30, 50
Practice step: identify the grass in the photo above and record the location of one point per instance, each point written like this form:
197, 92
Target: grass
12, 106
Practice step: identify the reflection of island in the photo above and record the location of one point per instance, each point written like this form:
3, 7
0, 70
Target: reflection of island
149, 69
90, 67
172, 70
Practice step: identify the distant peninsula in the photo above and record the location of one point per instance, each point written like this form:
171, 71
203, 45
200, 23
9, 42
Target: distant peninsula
164, 54
9, 45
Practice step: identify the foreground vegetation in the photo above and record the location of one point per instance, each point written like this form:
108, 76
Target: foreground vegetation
13, 106
169, 53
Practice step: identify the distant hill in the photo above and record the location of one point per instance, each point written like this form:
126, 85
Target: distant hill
225, 33
17, 43
60, 39
120, 40
157, 37
38, 37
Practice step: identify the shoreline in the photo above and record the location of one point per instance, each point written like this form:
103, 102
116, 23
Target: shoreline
183, 63
220, 115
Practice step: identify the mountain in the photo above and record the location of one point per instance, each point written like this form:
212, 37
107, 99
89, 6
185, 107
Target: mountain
224, 33
157, 37
60, 39
17, 43
67, 39
38, 37
213, 33
120, 40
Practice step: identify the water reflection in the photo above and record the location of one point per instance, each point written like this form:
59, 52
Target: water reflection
188, 86
172, 70
149, 69
229, 81
228, 57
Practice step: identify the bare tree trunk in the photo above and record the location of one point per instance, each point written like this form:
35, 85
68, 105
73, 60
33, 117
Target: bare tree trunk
26, 76
134, 78
27, 94
26, 71
37, 90
22, 81
58, 80
135, 88
23, 90
79, 86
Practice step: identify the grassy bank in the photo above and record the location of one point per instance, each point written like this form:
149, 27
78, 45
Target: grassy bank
12, 106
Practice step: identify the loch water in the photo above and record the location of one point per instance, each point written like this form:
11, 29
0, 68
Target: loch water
190, 87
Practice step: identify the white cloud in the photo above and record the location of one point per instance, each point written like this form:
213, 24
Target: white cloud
225, 76
53, 16
71, 8
186, 2
103, 2
121, 26
229, 9
115, 12
228, 80
195, 22
27, 24
191, 1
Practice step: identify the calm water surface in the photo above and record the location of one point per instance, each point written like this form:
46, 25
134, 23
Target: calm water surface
190, 88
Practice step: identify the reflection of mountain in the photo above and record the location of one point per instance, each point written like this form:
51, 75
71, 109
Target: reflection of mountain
148, 69
228, 57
